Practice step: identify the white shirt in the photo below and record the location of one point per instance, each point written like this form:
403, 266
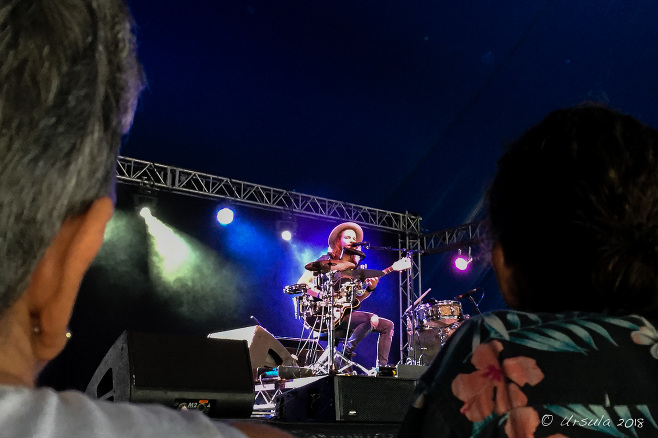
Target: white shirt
26, 412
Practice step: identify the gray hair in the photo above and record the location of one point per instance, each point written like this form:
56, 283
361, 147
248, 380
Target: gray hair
69, 83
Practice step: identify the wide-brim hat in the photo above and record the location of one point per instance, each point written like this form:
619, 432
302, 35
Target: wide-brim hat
345, 226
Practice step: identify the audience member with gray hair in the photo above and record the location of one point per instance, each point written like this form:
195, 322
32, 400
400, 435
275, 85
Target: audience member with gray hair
69, 83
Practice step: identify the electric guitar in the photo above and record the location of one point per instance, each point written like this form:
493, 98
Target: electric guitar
349, 298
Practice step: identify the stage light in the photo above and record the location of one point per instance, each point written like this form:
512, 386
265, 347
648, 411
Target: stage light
225, 216
463, 261
145, 212
287, 226
145, 202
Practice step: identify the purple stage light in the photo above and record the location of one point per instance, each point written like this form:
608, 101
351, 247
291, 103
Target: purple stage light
462, 261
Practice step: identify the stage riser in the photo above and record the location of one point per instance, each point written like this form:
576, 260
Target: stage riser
354, 399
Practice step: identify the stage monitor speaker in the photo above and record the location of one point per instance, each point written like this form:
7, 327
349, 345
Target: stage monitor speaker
264, 350
210, 375
357, 399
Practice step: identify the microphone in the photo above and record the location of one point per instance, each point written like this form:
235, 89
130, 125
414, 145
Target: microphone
359, 243
466, 294
356, 252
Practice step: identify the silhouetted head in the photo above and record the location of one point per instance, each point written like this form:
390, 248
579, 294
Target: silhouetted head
573, 209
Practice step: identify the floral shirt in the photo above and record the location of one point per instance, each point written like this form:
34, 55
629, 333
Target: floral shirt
514, 374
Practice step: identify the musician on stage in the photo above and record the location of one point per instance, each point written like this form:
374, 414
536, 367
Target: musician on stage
342, 250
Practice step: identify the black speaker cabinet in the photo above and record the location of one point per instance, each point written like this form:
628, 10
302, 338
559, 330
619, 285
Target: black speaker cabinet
264, 349
357, 399
210, 375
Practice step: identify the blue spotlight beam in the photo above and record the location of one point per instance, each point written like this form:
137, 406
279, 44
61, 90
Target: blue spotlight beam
132, 171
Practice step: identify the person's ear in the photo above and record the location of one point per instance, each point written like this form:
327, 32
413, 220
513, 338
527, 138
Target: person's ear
505, 276
54, 285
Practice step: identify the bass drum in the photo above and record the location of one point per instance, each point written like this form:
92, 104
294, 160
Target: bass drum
427, 342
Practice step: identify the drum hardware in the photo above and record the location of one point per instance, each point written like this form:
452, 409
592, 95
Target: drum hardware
327, 310
317, 311
295, 289
328, 290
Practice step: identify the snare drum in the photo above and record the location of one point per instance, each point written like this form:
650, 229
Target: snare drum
438, 314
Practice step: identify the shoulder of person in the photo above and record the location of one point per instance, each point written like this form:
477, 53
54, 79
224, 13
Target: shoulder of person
72, 413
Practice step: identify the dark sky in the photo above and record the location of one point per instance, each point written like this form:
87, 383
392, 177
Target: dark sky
393, 105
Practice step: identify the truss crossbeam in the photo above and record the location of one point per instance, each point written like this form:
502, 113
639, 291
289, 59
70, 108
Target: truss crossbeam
462, 236
173, 179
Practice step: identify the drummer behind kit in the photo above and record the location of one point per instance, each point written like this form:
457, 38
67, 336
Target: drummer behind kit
349, 290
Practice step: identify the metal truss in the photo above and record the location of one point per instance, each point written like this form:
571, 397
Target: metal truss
463, 236
159, 176
410, 286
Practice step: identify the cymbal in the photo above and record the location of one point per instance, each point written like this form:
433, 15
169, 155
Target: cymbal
356, 252
329, 265
361, 274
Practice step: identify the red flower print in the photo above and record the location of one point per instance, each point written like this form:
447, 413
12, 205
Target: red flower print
494, 386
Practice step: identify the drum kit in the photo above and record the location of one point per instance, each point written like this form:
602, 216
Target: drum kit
429, 325
341, 287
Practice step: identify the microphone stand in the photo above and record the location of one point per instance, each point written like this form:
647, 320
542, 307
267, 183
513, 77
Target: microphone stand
475, 306
390, 248
469, 295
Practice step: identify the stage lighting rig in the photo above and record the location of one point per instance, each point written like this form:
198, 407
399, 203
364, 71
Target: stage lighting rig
145, 200
463, 261
287, 227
